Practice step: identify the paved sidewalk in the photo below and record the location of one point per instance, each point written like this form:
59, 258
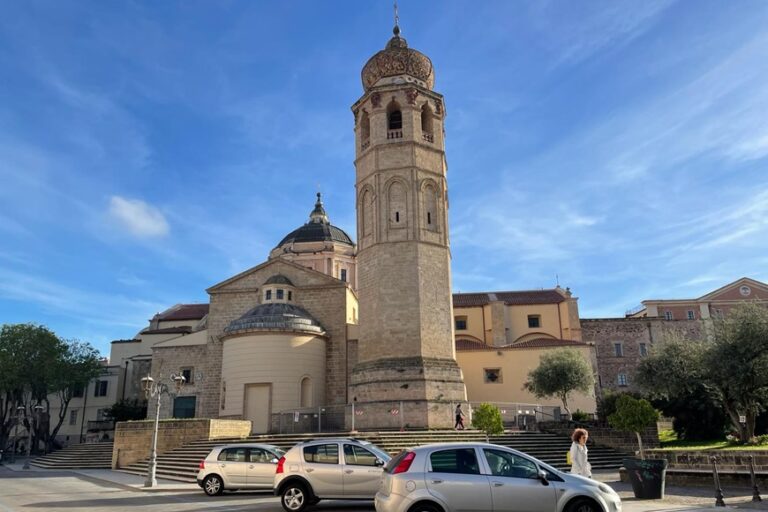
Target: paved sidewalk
108, 476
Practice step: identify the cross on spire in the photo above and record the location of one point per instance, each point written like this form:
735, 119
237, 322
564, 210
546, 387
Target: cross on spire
396, 30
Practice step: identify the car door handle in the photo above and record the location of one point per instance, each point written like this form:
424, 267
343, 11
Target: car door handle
251, 466
348, 471
222, 465
437, 481
309, 470
497, 484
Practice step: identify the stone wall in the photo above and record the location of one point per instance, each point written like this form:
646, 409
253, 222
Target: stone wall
168, 360
631, 333
728, 460
602, 436
133, 439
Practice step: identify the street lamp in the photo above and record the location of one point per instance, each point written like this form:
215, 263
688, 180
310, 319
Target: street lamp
37, 409
19, 414
155, 389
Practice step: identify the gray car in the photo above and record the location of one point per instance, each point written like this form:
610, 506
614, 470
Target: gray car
238, 466
346, 469
479, 477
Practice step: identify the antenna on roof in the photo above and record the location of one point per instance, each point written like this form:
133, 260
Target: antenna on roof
557, 280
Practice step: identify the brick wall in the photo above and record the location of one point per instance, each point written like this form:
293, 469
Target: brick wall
133, 439
728, 460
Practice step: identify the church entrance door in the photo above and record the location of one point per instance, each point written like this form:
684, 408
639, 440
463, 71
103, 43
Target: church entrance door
258, 406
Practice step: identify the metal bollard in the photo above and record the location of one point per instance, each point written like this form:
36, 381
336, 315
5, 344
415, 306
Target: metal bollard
718, 490
755, 490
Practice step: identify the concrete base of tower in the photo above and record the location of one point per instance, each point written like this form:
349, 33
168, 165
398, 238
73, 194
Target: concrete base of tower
414, 392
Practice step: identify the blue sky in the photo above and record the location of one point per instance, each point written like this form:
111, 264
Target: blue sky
149, 150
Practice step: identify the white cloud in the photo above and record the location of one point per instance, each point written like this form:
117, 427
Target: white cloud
141, 219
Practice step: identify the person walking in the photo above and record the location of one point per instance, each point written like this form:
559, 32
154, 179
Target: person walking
459, 418
579, 463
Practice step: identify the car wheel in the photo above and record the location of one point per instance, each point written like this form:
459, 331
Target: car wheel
583, 505
295, 497
425, 507
212, 485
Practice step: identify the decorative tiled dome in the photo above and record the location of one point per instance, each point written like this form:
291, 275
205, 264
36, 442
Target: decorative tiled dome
397, 59
276, 317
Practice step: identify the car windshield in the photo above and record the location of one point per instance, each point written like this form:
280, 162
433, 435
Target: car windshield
377, 451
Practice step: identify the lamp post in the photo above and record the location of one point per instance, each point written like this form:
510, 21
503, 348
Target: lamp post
156, 389
19, 414
36, 414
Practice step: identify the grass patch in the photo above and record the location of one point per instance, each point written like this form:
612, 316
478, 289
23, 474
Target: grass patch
669, 441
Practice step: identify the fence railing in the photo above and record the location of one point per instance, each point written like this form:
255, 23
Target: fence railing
404, 415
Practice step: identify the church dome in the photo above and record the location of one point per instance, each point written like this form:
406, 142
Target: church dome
397, 59
276, 317
318, 229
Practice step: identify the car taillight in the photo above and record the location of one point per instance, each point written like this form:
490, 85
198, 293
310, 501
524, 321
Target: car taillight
404, 464
202, 464
279, 468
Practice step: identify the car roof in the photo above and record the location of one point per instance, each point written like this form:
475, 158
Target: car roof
433, 446
246, 445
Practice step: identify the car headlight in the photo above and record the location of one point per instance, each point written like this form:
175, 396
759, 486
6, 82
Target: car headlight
607, 489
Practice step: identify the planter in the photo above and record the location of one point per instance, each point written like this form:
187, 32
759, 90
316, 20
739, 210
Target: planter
647, 477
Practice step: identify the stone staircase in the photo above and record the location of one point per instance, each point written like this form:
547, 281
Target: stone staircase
182, 463
77, 456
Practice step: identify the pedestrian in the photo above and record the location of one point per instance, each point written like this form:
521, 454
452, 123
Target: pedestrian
579, 463
459, 418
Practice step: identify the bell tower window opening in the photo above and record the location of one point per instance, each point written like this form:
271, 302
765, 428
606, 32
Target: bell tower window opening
343, 275
397, 216
394, 117
365, 126
426, 119
429, 217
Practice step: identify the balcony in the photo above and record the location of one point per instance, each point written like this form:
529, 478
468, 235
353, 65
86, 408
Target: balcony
101, 425
428, 137
394, 134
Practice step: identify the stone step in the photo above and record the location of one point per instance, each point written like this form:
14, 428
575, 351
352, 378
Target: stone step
95, 455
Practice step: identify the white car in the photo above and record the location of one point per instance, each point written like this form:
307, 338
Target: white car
482, 477
238, 466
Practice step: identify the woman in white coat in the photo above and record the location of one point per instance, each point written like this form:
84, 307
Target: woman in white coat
579, 463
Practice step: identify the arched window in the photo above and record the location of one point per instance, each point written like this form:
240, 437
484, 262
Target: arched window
366, 204
430, 207
394, 117
397, 203
305, 398
426, 119
365, 126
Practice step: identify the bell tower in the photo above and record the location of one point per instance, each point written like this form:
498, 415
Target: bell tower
406, 344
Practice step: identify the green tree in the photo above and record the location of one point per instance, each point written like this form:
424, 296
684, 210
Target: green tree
127, 410
34, 364
633, 415
559, 374
730, 370
487, 417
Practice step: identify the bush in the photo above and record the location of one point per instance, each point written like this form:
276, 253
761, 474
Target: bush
581, 416
607, 403
695, 416
487, 417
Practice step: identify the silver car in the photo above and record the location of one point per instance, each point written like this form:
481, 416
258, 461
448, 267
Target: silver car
345, 469
479, 477
238, 466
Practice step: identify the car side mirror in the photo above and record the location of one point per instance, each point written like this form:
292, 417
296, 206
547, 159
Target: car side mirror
379, 463
274, 461
543, 477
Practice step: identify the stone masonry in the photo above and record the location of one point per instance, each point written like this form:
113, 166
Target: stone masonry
631, 333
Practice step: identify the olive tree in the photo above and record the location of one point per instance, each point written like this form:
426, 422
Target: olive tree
559, 374
730, 368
